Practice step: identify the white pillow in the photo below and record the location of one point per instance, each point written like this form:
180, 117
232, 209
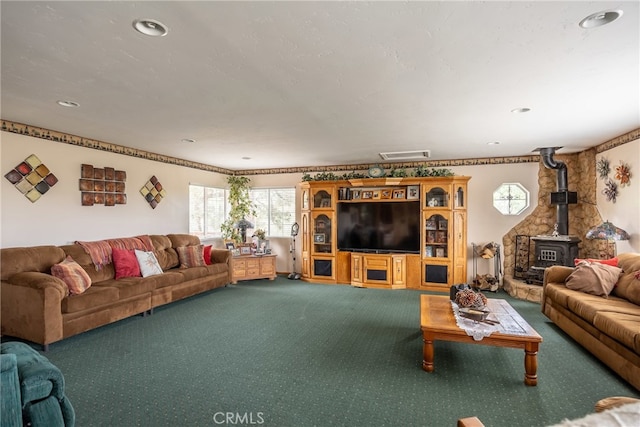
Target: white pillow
148, 263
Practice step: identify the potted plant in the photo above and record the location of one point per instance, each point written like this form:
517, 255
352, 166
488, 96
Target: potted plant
235, 227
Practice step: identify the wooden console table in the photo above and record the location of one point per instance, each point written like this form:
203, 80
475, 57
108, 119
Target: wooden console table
252, 267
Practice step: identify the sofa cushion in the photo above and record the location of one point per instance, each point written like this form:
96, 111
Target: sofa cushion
165, 253
73, 275
125, 263
194, 272
628, 286
95, 296
178, 240
77, 252
593, 278
168, 278
623, 327
588, 306
191, 256
148, 263
129, 286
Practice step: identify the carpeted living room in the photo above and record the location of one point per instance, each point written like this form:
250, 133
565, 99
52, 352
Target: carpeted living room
288, 353
320, 213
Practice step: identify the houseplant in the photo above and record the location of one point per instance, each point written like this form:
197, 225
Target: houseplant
241, 207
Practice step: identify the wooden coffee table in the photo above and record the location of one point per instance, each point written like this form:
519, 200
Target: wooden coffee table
438, 322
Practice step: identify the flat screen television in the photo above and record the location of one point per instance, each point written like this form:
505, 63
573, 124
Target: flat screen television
379, 227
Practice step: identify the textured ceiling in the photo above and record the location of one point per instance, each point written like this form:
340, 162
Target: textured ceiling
323, 83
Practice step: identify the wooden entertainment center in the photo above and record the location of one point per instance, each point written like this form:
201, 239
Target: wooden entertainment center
436, 263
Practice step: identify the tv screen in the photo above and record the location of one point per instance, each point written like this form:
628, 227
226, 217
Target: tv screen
379, 226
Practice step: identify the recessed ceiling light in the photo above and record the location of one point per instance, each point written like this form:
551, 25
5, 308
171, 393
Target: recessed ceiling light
188, 140
150, 27
600, 18
246, 158
69, 104
493, 143
521, 110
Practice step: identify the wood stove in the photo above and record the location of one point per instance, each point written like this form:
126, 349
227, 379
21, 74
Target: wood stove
551, 250
558, 248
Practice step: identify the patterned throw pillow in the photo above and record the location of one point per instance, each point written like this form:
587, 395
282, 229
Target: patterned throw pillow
73, 275
191, 256
125, 263
148, 263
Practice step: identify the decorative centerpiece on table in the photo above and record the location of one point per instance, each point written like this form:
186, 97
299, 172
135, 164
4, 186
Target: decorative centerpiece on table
470, 299
472, 305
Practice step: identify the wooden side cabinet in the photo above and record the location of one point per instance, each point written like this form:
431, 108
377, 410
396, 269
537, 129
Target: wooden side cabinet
252, 267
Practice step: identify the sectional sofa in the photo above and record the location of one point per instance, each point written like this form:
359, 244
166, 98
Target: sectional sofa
39, 307
603, 318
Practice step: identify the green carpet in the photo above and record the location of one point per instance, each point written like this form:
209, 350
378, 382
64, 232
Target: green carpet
289, 353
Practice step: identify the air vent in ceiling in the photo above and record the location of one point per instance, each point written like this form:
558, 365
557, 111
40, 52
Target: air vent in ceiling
406, 155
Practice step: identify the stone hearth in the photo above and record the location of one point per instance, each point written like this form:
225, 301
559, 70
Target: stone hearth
541, 221
521, 290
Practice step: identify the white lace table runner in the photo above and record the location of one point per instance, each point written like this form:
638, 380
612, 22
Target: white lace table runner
478, 330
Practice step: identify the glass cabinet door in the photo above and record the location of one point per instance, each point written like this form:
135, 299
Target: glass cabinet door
436, 197
322, 199
459, 197
436, 232
322, 240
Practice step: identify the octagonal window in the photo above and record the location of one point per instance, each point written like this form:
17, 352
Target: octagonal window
511, 199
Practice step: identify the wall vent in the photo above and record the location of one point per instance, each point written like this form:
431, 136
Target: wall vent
406, 155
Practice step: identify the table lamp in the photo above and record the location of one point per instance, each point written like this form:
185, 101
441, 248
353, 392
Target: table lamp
609, 232
242, 225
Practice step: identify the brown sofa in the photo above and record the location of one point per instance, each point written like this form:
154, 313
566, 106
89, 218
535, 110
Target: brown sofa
608, 327
37, 307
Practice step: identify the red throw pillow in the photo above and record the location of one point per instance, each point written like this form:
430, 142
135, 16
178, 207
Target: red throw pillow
611, 261
125, 263
207, 255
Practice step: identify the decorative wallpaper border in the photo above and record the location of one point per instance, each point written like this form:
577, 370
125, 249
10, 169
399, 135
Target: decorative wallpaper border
618, 141
50, 135
406, 165
65, 138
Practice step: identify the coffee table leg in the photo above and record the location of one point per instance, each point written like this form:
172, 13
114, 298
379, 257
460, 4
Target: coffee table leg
427, 353
531, 364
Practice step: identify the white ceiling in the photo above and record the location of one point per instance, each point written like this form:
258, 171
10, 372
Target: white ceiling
293, 84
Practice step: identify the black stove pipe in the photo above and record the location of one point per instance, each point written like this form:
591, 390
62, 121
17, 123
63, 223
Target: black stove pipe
562, 208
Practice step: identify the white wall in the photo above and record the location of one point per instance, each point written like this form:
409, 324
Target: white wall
58, 217
625, 212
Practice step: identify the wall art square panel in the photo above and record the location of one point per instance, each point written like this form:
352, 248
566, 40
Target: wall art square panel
102, 186
32, 178
153, 192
